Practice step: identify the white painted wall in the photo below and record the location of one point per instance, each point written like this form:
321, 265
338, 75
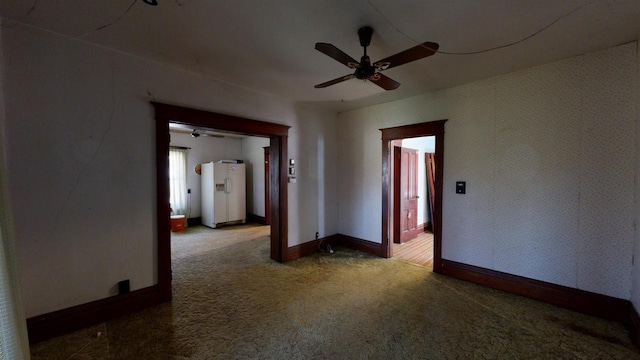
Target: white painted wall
635, 289
204, 149
15, 341
423, 145
549, 156
253, 156
313, 199
83, 192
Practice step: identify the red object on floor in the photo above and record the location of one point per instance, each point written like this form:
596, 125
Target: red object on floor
177, 223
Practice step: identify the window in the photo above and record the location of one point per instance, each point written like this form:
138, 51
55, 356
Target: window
178, 180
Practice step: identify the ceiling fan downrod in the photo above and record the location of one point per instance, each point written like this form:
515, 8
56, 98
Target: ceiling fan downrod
365, 70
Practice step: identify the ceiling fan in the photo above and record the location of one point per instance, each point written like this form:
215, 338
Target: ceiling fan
196, 133
364, 70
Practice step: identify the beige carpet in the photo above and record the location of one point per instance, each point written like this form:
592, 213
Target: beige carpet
232, 302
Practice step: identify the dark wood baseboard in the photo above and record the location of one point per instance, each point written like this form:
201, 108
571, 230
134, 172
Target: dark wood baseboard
61, 322
256, 219
426, 227
366, 246
634, 325
311, 247
194, 221
573, 299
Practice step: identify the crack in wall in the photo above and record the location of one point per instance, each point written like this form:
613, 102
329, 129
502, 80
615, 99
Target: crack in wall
91, 159
111, 23
33, 7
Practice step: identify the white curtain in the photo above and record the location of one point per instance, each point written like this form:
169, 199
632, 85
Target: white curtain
178, 180
13, 328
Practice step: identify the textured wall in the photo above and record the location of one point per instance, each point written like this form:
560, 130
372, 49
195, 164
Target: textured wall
548, 154
83, 190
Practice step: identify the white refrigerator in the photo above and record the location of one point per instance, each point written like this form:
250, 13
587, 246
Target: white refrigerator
223, 194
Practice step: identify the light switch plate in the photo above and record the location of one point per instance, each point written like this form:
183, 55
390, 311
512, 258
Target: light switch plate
461, 187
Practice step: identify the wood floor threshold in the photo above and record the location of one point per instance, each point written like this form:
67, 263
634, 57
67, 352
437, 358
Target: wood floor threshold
417, 251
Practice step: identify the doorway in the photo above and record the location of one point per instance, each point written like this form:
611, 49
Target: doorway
164, 114
391, 136
412, 237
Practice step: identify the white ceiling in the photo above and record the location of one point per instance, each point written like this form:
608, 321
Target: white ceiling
268, 45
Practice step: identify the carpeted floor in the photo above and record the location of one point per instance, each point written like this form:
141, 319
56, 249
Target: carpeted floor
232, 302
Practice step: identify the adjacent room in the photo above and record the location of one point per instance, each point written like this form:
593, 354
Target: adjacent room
413, 183
217, 189
421, 179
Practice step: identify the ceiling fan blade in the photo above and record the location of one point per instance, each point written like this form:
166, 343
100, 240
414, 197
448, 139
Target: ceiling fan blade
337, 54
335, 81
409, 55
384, 82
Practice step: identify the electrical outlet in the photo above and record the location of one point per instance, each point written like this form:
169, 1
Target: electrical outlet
317, 235
188, 191
124, 287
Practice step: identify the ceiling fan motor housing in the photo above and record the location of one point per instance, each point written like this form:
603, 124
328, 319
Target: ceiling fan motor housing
365, 70
365, 33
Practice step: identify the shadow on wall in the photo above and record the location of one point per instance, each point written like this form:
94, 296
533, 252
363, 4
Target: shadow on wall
315, 152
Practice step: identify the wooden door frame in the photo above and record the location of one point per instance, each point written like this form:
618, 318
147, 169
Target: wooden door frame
432, 128
165, 113
267, 176
396, 237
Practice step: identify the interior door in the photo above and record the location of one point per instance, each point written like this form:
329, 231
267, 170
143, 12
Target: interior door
408, 194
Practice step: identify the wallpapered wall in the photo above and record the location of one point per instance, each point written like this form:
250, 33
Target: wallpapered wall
548, 154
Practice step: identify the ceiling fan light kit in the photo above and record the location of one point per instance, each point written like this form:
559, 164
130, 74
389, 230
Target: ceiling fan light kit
364, 70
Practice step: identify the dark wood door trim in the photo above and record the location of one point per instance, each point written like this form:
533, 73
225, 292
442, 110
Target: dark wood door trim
165, 113
393, 170
267, 182
432, 128
395, 183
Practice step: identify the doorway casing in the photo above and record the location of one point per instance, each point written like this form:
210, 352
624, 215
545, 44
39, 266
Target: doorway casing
432, 128
165, 113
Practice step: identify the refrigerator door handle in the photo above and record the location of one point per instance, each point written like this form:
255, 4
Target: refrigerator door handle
227, 185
